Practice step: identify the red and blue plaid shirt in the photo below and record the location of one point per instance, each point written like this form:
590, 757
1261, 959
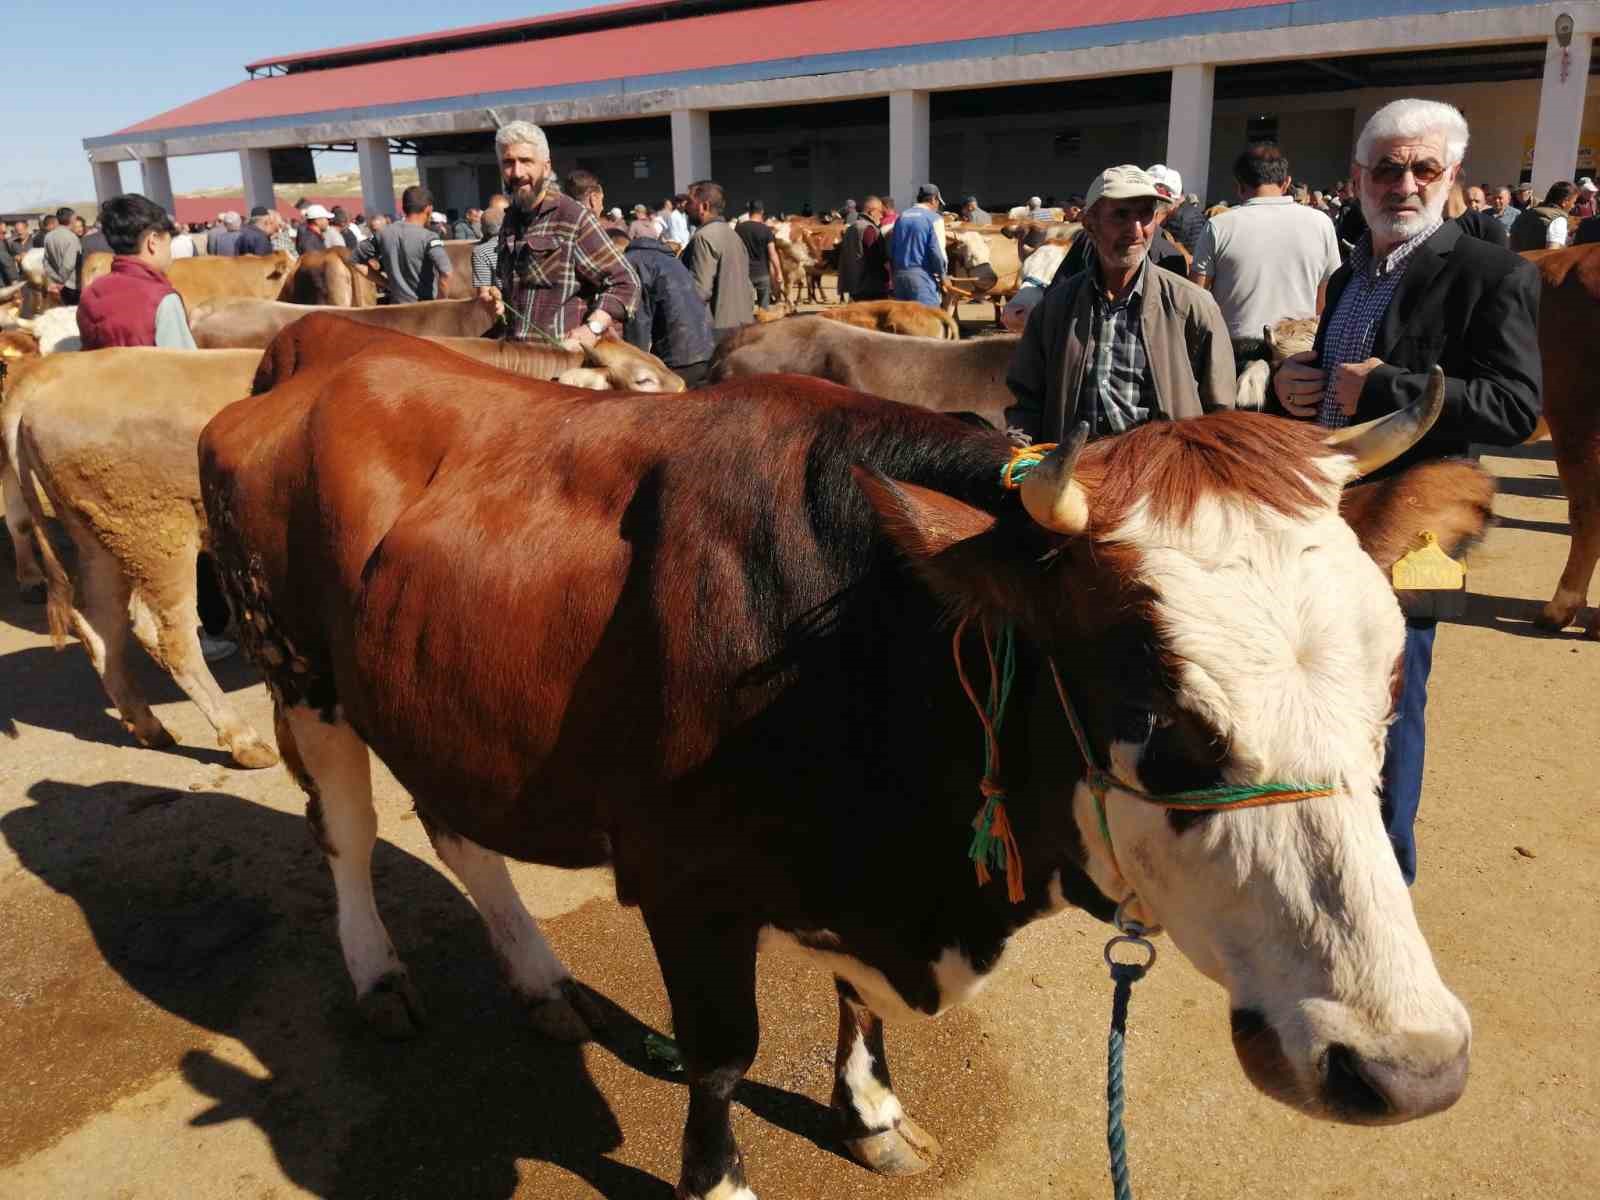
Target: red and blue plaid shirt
556, 265
1353, 324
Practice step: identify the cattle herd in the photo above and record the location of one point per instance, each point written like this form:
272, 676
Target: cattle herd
588, 617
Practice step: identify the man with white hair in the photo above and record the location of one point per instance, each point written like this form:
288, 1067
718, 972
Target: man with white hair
1419, 293
224, 238
558, 271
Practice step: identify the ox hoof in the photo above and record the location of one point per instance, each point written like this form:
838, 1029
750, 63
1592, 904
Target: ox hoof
253, 755
566, 1014
155, 738
35, 593
1555, 617
393, 1008
907, 1149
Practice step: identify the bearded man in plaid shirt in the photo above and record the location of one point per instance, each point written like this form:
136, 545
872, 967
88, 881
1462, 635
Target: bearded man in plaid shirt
557, 270
1418, 293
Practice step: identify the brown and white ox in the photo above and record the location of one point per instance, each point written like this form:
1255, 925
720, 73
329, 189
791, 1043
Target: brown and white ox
1569, 349
707, 641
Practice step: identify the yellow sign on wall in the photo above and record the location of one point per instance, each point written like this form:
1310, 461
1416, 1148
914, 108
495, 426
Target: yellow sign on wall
1588, 152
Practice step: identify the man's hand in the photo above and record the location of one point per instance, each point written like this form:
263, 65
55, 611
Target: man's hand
1298, 384
584, 336
1348, 382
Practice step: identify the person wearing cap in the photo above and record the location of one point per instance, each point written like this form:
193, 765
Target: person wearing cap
256, 236
1544, 226
313, 233
972, 214
643, 224
1119, 344
916, 251
1268, 257
1185, 222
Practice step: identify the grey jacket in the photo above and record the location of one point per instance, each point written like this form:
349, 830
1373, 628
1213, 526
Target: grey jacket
1191, 356
721, 268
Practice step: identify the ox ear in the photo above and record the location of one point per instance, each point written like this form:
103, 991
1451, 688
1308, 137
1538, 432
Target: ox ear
949, 543
1450, 499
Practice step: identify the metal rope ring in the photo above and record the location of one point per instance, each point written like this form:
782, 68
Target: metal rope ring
1131, 939
1126, 924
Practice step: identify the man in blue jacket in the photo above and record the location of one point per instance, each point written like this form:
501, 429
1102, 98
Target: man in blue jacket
671, 321
916, 249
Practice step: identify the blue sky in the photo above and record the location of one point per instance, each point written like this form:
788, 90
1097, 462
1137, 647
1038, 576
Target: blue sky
92, 67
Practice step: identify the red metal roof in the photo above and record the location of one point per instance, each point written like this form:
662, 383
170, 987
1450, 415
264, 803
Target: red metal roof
462, 33
806, 28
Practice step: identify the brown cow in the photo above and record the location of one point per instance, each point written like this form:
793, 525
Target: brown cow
965, 376
214, 277
905, 317
753, 716
1569, 351
325, 277
252, 324
238, 324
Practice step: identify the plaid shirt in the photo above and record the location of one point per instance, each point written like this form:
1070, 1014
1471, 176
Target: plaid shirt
1353, 325
1118, 392
556, 266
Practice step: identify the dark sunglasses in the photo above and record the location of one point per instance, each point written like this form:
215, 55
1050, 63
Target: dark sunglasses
1386, 171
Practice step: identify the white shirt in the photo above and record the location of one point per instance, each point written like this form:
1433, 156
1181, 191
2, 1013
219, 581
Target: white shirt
1266, 259
183, 246
1555, 233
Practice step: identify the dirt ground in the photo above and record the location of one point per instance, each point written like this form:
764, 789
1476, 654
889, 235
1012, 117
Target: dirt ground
175, 1019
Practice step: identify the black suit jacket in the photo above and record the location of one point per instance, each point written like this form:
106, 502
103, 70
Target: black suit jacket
1470, 308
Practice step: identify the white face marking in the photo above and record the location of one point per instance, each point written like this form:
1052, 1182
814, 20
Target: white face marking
876, 1105
953, 974
1286, 635
727, 1189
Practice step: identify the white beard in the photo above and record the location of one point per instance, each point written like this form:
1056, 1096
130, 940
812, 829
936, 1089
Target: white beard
1402, 226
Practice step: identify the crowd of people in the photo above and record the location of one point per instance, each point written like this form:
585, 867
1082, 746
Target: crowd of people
1402, 268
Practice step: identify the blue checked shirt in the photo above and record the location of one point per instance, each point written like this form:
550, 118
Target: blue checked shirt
1353, 327
1118, 391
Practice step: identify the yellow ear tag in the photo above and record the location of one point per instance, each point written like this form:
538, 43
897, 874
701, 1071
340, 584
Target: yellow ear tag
1428, 582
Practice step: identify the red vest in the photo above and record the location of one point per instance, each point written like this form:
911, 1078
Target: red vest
119, 309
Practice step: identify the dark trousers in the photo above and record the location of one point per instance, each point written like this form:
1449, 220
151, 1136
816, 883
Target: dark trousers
1408, 736
763, 286
692, 374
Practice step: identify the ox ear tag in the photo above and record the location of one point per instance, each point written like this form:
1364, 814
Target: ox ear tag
1429, 583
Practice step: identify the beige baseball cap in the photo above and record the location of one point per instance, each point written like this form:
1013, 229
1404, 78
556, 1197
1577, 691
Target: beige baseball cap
1127, 182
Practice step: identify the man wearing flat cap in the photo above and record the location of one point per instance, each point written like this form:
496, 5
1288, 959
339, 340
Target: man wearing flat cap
1121, 343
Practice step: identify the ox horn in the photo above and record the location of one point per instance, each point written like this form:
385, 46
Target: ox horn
1375, 444
1049, 492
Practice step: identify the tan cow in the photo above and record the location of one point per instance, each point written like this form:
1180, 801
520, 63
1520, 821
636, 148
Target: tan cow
128, 494
325, 277
266, 276
905, 317
965, 376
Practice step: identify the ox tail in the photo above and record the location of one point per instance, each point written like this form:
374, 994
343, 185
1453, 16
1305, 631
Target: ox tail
57, 582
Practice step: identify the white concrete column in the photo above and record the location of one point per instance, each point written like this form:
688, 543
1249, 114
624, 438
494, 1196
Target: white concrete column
255, 168
908, 145
156, 181
107, 181
1189, 126
691, 147
377, 176
1561, 96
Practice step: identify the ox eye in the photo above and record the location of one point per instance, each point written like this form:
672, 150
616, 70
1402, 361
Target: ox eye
1133, 723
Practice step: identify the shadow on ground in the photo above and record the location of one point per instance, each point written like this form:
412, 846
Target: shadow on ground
220, 912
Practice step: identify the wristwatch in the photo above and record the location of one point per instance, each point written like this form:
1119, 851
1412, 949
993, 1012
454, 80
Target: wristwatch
596, 326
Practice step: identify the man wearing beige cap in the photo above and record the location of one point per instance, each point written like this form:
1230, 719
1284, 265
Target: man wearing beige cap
1121, 343
313, 234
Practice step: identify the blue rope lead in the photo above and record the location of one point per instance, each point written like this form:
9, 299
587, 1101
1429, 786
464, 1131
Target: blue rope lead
1124, 974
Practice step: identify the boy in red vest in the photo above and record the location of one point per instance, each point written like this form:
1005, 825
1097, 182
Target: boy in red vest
135, 305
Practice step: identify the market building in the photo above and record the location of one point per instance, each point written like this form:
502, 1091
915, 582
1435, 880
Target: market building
810, 101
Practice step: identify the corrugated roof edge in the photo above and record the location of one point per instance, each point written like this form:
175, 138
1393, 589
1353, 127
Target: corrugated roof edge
447, 39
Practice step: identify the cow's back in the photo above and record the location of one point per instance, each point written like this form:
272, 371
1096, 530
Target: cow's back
517, 573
